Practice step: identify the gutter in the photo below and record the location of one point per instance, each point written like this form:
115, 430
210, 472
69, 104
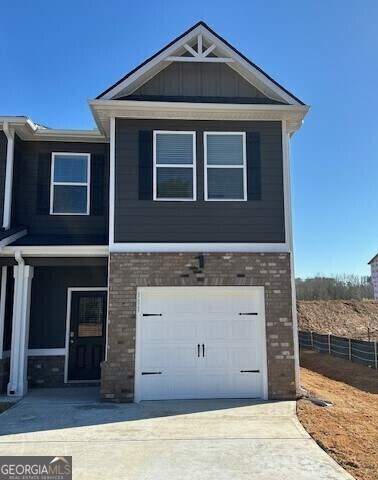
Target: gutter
9, 133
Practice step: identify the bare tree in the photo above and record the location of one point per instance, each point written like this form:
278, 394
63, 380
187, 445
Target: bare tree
337, 287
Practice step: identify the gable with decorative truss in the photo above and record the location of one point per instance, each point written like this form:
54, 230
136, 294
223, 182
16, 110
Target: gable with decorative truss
203, 58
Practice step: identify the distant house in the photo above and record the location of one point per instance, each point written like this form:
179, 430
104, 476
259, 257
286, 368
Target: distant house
374, 275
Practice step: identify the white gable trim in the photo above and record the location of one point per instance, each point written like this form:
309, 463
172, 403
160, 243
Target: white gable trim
173, 52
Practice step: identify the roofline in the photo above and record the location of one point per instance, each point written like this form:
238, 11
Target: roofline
372, 260
201, 23
149, 59
28, 130
104, 110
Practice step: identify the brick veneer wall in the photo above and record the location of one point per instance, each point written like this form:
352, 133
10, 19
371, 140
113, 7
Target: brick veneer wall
127, 271
46, 371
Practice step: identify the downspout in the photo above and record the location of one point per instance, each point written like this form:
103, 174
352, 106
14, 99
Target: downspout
9, 133
19, 258
289, 235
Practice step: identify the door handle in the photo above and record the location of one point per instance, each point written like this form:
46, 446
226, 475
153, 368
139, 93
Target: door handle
198, 350
203, 349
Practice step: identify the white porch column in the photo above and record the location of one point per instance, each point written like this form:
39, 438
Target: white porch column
3, 293
18, 384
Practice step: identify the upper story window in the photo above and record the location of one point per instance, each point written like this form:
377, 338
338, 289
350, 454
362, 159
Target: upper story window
70, 180
225, 166
174, 166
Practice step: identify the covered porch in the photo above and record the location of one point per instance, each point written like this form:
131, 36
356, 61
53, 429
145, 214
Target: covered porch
53, 312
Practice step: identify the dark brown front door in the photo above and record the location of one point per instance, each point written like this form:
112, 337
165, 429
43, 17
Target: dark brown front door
87, 335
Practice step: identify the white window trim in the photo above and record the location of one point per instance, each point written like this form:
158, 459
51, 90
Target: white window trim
175, 165
244, 167
77, 184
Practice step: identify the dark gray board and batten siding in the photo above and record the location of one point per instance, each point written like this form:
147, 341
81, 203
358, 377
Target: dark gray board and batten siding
201, 82
45, 229
253, 221
49, 300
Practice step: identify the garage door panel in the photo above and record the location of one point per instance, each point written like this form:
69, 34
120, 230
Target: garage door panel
188, 385
245, 303
244, 329
245, 357
213, 303
216, 385
216, 356
154, 387
183, 330
184, 358
154, 330
217, 318
247, 384
179, 304
216, 329
154, 358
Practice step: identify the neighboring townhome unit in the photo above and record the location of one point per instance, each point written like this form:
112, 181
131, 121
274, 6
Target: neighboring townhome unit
153, 255
374, 275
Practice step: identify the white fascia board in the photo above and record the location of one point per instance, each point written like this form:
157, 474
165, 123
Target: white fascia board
116, 105
58, 251
69, 135
200, 247
28, 130
103, 110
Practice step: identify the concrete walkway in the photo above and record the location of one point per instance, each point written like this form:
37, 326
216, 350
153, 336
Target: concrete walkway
199, 439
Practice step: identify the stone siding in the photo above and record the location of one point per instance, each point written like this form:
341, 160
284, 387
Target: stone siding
128, 271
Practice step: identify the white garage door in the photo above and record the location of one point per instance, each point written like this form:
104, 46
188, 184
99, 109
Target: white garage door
198, 342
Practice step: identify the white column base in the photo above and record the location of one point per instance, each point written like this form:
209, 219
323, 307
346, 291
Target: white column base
18, 384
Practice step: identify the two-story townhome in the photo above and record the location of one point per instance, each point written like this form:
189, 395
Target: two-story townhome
153, 254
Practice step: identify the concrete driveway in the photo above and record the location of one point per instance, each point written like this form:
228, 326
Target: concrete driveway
200, 439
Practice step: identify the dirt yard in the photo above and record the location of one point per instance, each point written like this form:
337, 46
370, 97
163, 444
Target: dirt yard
344, 318
347, 430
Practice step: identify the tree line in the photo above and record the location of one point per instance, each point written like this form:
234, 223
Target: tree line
338, 287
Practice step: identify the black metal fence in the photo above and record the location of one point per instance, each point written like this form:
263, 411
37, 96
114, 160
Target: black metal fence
355, 350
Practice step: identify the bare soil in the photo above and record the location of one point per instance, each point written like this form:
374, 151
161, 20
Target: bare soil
347, 430
343, 318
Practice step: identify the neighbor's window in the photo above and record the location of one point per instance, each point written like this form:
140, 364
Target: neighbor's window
225, 166
174, 166
70, 193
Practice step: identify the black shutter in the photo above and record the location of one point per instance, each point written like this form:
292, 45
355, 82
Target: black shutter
145, 165
253, 166
97, 184
43, 185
